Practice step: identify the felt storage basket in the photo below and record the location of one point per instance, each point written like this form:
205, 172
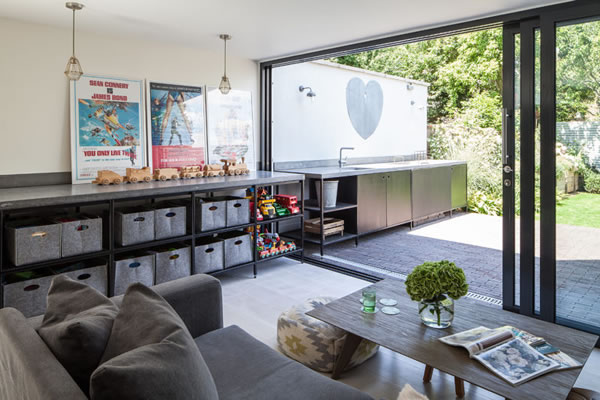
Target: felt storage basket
32, 240
173, 263
134, 226
210, 214
80, 234
237, 248
131, 269
238, 211
169, 221
28, 295
96, 277
209, 255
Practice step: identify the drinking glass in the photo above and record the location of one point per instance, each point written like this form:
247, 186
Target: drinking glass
369, 298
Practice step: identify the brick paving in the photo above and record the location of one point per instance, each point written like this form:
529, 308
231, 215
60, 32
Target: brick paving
474, 243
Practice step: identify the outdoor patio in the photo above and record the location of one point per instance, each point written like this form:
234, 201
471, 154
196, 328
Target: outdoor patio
474, 243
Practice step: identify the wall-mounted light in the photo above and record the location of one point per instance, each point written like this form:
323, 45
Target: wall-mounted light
225, 85
73, 71
310, 91
410, 86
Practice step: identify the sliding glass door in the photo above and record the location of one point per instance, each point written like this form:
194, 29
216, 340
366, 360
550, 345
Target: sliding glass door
551, 167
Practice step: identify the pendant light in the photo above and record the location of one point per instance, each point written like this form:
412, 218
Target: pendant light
225, 86
73, 71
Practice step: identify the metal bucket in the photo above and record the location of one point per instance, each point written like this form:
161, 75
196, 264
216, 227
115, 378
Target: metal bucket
330, 189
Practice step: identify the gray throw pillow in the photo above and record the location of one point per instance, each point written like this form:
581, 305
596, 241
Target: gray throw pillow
151, 354
76, 327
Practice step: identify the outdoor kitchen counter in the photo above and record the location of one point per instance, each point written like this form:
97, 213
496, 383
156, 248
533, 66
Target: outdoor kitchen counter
365, 169
39, 196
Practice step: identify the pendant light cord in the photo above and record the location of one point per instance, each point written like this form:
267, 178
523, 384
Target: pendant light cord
225, 58
73, 32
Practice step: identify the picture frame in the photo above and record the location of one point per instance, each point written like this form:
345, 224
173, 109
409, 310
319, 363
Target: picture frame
176, 124
230, 126
107, 126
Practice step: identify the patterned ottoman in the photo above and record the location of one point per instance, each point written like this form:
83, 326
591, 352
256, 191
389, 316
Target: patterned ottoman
314, 343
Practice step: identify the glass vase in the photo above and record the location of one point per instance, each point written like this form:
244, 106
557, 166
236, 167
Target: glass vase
437, 313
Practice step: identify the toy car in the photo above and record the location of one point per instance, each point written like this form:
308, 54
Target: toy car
213, 170
281, 210
163, 174
288, 201
106, 177
192, 171
259, 216
134, 175
266, 208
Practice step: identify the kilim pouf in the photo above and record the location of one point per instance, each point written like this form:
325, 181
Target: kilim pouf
315, 343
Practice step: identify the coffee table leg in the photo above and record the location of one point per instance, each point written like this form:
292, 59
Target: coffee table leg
348, 349
427, 374
459, 387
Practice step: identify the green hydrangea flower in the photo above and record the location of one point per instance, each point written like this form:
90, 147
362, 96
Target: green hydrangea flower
431, 281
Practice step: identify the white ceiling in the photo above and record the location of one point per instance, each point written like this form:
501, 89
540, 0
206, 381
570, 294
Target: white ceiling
261, 29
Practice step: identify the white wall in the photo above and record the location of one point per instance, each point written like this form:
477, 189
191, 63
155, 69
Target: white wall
315, 129
34, 106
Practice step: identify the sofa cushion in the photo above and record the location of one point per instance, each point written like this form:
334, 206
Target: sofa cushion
245, 368
76, 327
151, 354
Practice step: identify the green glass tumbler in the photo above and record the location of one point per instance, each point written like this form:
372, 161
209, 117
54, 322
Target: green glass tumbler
369, 300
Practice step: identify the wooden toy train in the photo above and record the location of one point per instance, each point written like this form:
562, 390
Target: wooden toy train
230, 167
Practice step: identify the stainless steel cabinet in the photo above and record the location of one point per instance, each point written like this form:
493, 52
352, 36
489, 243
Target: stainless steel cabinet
459, 186
372, 199
399, 209
431, 191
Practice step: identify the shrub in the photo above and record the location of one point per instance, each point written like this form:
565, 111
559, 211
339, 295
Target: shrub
591, 181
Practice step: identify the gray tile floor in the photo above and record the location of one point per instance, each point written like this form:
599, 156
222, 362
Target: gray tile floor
474, 243
255, 304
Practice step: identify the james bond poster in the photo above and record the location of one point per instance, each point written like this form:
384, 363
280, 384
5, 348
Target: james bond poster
230, 126
176, 125
107, 126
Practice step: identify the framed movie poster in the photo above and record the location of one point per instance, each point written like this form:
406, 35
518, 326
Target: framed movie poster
107, 126
176, 125
230, 126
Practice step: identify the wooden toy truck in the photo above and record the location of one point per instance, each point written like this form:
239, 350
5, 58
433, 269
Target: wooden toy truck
134, 175
192, 171
213, 170
232, 167
163, 174
106, 177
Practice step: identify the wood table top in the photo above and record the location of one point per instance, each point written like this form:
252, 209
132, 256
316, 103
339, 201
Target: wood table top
405, 334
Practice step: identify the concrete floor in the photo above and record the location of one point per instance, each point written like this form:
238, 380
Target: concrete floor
474, 243
255, 304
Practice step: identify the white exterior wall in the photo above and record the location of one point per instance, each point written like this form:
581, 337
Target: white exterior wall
34, 105
315, 128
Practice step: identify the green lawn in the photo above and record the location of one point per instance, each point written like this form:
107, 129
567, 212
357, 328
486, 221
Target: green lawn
581, 209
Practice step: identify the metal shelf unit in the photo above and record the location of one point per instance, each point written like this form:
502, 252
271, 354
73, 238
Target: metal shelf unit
111, 249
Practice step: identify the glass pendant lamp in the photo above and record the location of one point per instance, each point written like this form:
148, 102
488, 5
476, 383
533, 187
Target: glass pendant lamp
73, 71
225, 85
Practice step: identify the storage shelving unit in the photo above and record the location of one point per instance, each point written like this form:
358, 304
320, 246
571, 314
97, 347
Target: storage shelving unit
183, 190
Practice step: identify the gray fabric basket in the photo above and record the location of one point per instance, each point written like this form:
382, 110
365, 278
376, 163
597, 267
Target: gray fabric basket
134, 226
80, 236
173, 264
169, 222
238, 211
32, 241
209, 256
28, 296
210, 214
133, 269
237, 248
96, 277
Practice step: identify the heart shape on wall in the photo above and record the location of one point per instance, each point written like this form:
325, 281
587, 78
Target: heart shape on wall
364, 104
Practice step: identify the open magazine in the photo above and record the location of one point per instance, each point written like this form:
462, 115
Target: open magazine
506, 351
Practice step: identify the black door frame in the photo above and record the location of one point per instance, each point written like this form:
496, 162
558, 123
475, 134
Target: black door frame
546, 19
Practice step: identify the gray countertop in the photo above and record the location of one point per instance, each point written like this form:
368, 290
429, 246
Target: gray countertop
365, 169
37, 196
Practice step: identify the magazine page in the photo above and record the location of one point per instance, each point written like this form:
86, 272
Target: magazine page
564, 360
526, 336
478, 339
516, 362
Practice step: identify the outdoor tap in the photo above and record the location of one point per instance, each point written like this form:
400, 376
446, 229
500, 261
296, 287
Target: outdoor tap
343, 161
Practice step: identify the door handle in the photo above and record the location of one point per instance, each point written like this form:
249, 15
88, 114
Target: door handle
505, 115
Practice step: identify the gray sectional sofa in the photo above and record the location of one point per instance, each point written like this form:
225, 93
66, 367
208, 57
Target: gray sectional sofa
241, 366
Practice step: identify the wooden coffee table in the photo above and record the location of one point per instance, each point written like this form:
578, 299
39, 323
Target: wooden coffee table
405, 334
